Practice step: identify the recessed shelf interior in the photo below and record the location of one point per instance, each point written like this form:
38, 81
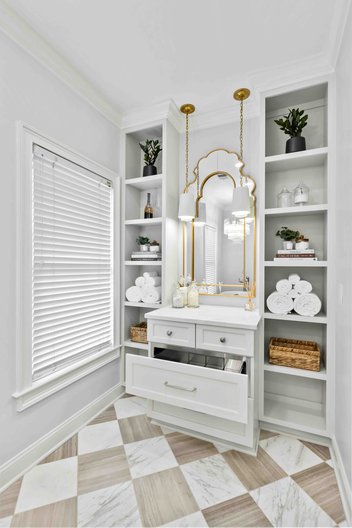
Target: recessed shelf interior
134, 153
153, 232
314, 101
312, 226
136, 200
133, 315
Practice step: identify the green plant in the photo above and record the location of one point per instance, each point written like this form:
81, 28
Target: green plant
287, 234
151, 149
142, 240
293, 123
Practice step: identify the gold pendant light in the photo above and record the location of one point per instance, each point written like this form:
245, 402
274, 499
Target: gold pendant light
186, 210
240, 198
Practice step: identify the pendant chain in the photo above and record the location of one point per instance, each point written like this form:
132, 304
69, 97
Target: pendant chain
241, 131
187, 148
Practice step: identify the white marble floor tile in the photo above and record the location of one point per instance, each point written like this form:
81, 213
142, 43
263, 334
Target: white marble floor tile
48, 483
99, 437
193, 520
286, 504
221, 447
127, 407
291, 455
212, 481
343, 524
330, 463
149, 456
113, 506
5, 522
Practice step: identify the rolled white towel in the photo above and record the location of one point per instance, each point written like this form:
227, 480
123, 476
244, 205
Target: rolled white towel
140, 282
283, 286
279, 303
134, 294
151, 294
293, 294
150, 274
294, 278
303, 286
307, 304
152, 281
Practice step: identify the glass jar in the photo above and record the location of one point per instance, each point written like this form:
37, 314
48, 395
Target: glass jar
193, 296
284, 198
301, 194
178, 299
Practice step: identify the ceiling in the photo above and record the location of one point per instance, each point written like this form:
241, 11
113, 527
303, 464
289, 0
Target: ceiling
137, 53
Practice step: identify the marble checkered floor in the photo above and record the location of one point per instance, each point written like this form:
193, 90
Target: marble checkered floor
120, 470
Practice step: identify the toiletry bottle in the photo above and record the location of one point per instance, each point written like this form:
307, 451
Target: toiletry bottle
193, 296
178, 298
148, 210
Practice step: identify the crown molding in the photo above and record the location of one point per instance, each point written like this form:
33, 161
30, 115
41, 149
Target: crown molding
157, 112
20, 32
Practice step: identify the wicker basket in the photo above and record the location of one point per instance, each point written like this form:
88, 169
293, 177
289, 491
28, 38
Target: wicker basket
138, 333
293, 353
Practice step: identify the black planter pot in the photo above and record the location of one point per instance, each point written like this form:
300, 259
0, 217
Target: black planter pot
295, 144
149, 170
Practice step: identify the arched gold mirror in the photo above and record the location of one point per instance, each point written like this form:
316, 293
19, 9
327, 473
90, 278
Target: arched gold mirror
219, 250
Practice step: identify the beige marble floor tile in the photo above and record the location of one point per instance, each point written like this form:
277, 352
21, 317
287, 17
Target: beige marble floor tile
66, 450
163, 497
5, 522
8, 499
106, 416
58, 514
322, 451
320, 484
241, 511
102, 469
254, 472
187, 448
266, 434
138, 428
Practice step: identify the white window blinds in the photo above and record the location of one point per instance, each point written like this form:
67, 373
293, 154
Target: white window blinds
72, 263
210, 257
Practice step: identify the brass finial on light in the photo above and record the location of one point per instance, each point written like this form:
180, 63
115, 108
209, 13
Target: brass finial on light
187, 108
241, 94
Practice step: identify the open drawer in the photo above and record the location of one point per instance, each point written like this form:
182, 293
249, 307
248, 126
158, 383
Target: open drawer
214, 392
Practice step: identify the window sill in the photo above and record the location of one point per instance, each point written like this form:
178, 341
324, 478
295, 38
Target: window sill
43, 388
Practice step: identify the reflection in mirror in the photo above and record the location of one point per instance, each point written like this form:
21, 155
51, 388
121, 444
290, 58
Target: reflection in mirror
221, 247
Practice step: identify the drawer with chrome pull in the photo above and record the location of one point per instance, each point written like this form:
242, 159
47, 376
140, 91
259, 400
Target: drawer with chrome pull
171, 332
214, 392
222, 339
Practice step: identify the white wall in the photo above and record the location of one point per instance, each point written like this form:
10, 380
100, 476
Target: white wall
226, 136
343, 423
31, 94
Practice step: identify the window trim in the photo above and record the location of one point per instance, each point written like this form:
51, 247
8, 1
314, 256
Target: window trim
28, 392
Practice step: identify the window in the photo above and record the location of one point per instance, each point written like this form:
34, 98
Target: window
210, 257
68, 285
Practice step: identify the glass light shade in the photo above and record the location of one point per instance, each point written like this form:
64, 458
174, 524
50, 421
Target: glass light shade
201, 219
235, 237
240, 202
186, 208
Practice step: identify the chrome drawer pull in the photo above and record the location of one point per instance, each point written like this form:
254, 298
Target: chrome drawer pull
169, 333
167, 384
222, 339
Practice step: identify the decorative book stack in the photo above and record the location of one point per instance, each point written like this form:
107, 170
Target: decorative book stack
146, 255
296, 254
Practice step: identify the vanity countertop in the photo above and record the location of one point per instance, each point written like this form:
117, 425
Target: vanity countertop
230, 316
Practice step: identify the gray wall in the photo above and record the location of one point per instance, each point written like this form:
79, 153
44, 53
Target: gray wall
29, 93
343, 421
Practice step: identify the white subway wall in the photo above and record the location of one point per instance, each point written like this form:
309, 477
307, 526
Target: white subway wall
343, 418
30, 93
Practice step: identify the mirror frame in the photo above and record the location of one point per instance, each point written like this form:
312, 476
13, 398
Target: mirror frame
251, 292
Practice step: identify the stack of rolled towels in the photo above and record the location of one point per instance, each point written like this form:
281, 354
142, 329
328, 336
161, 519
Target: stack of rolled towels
147, 288
294, 294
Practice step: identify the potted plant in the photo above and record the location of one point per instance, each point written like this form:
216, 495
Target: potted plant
151, 149
288, 236
292, 124
143, 243
302, 242
154, 246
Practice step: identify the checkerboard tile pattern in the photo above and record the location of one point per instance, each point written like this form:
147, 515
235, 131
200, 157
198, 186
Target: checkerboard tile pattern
121, 470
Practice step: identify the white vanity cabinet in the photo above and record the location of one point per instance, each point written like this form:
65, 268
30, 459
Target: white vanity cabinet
208, 402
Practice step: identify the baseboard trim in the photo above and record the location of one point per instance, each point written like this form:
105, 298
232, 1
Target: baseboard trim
29, 457
342, 480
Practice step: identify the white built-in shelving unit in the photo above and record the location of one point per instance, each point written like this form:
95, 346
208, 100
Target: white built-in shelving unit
296, 399
163, 227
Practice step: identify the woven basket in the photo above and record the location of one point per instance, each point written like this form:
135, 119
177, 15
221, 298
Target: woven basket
138, 333
293, 353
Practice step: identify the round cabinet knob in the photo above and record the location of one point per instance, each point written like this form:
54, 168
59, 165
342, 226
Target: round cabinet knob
222, 339
169, 333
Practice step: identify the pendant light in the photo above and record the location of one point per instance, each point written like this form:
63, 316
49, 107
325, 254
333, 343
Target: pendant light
201, 218
240, 198
186, 209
